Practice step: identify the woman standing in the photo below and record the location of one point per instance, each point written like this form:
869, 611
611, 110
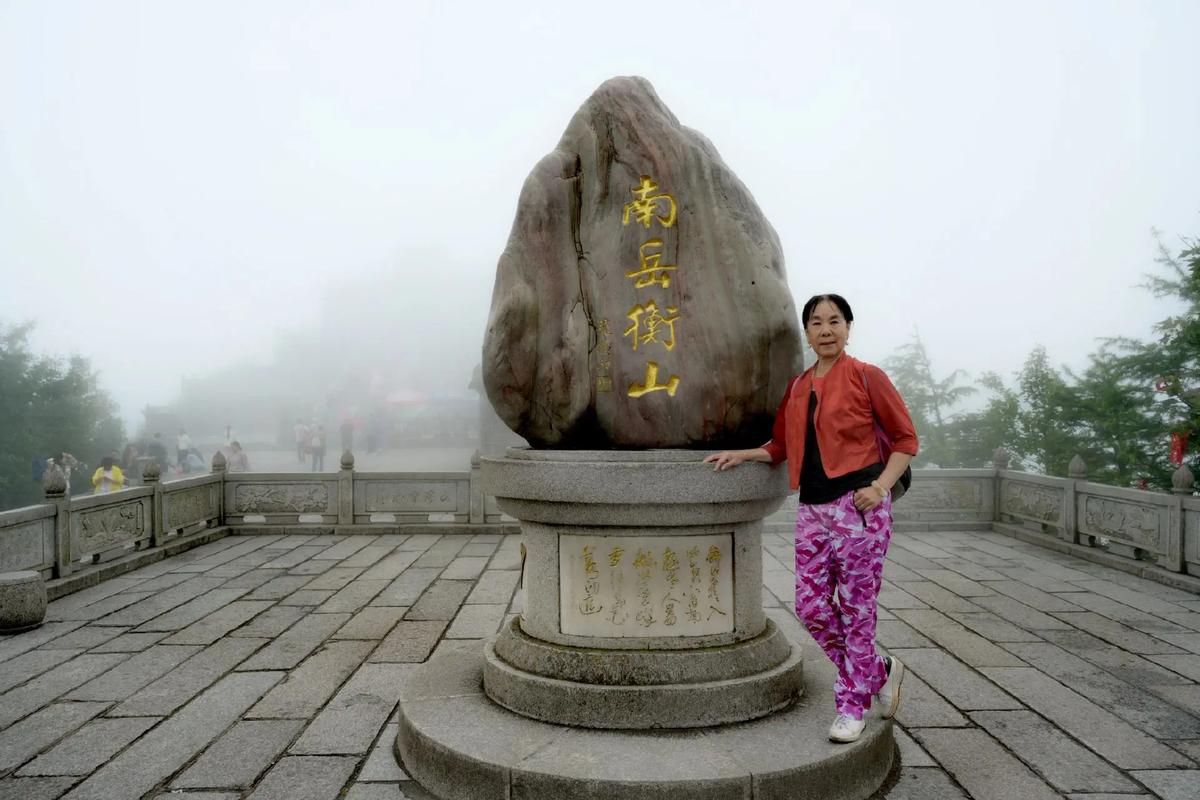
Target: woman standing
827, 429
108, 477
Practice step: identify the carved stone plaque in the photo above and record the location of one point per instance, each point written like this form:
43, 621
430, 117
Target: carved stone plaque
646, 586
409, 496
1119, 520
1030, 500
945, 495
190, 505
281, 498
110, 526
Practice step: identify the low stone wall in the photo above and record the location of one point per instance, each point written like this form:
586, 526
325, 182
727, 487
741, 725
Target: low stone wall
64, 533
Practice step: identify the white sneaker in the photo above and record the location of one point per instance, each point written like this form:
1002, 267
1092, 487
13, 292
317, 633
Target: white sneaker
889, 693
846, 728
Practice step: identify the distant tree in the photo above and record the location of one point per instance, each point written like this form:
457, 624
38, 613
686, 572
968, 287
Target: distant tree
977, 434
1117, 424
49, 405
1171, 363
930, 401
1045, 434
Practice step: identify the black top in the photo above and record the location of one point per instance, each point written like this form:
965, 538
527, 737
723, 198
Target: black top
816, 487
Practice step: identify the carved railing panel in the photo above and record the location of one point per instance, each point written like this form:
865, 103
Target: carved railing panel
284, 498
1033, 501
1140, 525
109, 526
402, 497
189, 506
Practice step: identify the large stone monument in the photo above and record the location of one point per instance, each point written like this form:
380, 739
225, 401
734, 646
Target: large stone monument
640, 319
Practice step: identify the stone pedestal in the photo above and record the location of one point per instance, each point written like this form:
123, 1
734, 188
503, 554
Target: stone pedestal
643, 632
22, 601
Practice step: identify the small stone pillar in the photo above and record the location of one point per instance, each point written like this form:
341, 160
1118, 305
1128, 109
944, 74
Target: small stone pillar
54, 484
218, 468
346, 489
1183, 482
1000, 458
22, 601
1077, 469
476, 498
151, 478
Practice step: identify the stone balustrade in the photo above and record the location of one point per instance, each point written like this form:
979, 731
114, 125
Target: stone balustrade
64, 533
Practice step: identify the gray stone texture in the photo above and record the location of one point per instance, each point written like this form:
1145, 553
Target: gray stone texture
293, 646
565, 266
305, 778
89, 747
1098, 728
22, 601
242, 754
21, 741
29, 697
982, 766
351, 721
310, 685
187, 680
409, 642
1065, 764
152, 759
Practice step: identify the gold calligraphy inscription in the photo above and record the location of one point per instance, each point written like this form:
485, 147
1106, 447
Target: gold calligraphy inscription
646, 585
651, 271
617, 615
591, 584
651, 383
714, 570
670, 566
693, 607
652, 328
647, 206
644, 562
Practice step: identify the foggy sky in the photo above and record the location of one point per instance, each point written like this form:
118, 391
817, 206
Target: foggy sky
182, 182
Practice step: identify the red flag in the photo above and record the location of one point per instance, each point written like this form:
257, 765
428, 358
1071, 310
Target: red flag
1178, 445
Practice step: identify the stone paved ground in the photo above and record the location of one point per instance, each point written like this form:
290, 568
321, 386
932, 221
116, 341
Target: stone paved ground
269, 667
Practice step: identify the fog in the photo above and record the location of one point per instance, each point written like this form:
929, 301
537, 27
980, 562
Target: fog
190, 190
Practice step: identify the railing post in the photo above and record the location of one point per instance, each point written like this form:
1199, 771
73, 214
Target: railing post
1000, 463
1182, 484
218, 468
1076, 474
54, 484
346, 490
476, 510
151, 477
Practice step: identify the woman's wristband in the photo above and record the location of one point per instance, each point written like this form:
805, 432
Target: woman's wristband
882, 491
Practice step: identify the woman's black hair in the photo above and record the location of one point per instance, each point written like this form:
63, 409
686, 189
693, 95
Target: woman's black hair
108, 462
836, 299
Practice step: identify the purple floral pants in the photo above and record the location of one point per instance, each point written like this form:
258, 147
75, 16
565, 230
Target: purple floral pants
840, 550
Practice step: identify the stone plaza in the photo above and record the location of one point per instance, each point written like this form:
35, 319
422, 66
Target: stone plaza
269, 666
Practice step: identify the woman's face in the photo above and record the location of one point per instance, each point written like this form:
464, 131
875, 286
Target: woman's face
827, 330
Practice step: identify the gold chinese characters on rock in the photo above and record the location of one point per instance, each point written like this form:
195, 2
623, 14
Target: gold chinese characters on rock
646, 586
652, 322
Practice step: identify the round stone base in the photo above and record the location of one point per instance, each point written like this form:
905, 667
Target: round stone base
22, 601
459, 745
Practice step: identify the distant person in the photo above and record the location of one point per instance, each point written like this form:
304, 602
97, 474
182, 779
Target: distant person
347, 431
183, 444
108, 477
237, 461
157, 451
302, 436
194, 461
317, 443
65, 464
229, 435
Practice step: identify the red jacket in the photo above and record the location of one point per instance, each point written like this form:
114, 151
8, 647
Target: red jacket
845, 419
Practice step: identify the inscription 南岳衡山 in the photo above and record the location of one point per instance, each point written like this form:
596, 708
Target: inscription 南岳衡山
646, 586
